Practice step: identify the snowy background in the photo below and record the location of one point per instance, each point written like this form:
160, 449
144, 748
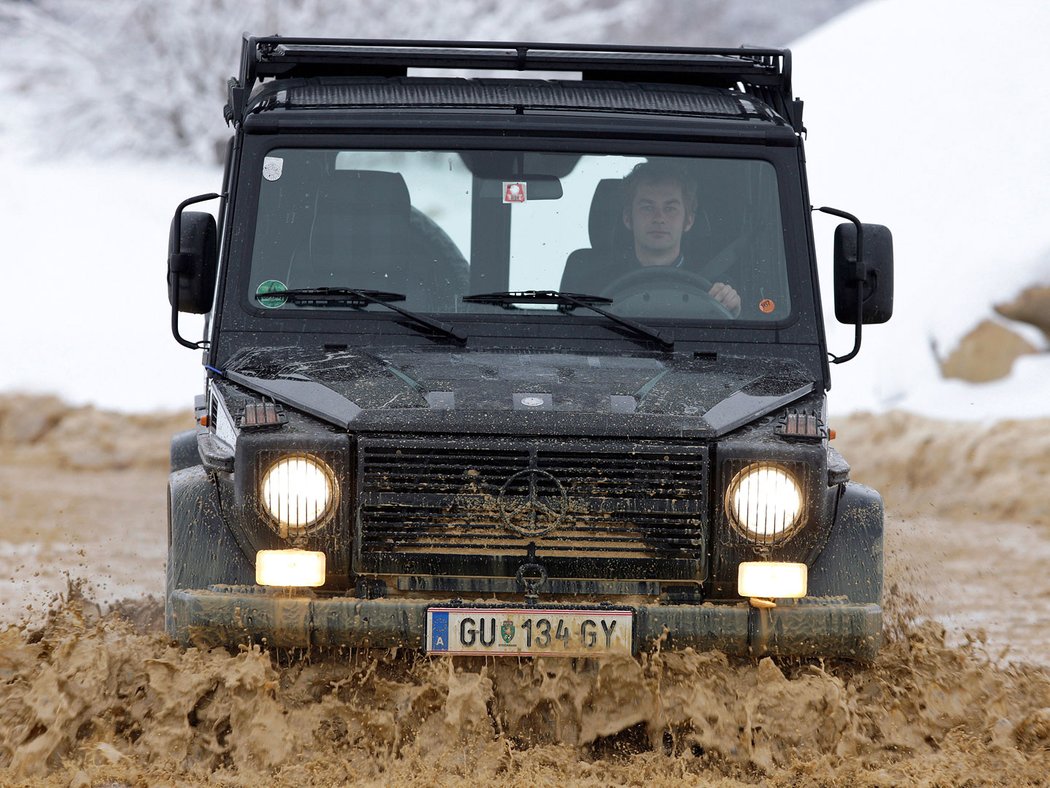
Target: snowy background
928, 116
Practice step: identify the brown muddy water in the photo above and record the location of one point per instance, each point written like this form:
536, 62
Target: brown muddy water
93, 694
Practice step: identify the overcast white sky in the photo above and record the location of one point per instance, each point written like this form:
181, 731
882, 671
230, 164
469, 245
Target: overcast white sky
929, 116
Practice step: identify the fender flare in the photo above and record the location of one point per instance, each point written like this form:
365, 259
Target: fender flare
851, 563
183, 452
202, 550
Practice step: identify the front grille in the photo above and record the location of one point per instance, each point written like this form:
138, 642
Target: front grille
625, 510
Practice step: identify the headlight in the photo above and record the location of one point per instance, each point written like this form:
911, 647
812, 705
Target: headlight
764, 501
298, 491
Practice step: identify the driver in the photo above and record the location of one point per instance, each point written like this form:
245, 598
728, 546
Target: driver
659, 208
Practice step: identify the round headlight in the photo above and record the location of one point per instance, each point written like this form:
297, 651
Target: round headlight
764, 501
298, 491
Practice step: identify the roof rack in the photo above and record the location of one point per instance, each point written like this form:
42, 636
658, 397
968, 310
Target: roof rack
763, 73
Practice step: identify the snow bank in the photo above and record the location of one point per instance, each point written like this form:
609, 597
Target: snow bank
930, 117
85, 251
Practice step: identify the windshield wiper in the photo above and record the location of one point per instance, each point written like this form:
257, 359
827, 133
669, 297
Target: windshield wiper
590, 302
352, 297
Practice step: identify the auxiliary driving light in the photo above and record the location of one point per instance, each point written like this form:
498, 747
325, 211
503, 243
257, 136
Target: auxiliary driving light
299, 568
772, 580
298, 491
764, 501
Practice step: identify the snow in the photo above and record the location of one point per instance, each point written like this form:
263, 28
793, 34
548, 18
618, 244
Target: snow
927, 116
930, 117
86, 313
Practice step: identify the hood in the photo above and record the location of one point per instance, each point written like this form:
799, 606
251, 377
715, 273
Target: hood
705, 394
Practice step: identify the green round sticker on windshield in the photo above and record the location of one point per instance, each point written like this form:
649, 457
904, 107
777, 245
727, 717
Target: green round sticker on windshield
271, 286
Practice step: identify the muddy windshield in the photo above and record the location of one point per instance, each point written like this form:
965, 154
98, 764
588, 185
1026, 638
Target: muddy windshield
657, 237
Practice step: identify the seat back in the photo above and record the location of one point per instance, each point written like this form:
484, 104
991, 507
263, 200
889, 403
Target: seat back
588, 269
358, 235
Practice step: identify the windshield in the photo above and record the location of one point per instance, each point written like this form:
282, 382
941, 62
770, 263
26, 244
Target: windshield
659, 237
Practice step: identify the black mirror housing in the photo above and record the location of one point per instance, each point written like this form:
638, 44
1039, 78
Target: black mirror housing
192, 265
874, 274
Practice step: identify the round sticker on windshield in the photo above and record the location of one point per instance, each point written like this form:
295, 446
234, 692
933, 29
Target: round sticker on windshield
271, 286
766, 305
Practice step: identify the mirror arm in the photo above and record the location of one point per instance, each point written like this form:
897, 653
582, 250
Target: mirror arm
176, 263
857, 280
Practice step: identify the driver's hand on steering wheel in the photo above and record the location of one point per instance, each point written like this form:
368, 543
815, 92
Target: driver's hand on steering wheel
726, 296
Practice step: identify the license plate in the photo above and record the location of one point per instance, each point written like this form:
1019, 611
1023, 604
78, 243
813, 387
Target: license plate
523, 632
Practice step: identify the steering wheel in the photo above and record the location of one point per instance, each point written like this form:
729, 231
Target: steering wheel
663, 291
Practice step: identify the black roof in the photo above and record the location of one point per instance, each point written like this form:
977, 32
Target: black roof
410, 92
743, 83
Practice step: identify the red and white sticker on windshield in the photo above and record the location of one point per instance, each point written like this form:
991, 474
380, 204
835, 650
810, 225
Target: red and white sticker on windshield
513, 191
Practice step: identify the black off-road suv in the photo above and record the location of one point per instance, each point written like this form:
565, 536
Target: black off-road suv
504, 364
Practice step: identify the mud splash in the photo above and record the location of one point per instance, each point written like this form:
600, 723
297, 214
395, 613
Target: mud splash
91, 699
958, 470
103, 699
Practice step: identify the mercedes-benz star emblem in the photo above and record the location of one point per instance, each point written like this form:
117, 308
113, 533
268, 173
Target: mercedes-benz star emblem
532, 502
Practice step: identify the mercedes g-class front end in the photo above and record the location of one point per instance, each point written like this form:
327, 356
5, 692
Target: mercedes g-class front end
517, 366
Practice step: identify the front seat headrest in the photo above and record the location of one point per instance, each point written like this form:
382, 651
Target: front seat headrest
352, 193
605, 225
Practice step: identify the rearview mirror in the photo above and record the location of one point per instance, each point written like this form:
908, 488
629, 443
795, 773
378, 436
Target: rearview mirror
521, 188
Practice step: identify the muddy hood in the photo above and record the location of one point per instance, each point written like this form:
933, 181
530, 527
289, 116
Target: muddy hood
551, 392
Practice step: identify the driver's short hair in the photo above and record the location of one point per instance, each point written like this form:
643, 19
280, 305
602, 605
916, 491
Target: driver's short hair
659, 171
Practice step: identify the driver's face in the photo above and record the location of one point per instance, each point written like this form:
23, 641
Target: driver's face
658, 217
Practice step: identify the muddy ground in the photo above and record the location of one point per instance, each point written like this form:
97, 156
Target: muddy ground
92, 693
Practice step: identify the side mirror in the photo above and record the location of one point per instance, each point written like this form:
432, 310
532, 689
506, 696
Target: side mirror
873, 274
192, 263
193, 255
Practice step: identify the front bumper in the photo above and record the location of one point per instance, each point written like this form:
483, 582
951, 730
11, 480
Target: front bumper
233, 615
